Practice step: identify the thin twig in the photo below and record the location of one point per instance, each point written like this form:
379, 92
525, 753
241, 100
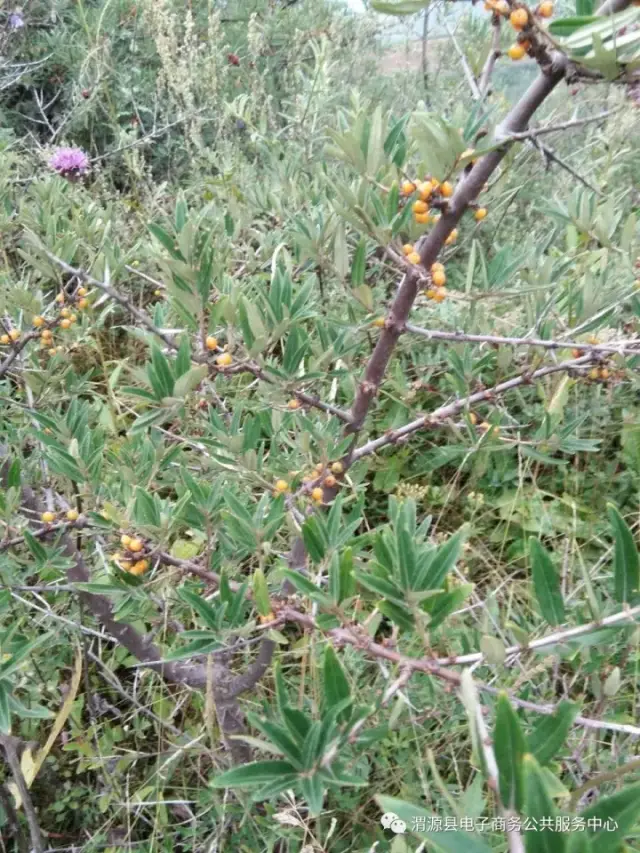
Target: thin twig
11, 745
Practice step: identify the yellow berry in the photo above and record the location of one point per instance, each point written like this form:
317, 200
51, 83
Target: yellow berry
594, 373
48, 517
473, 418
14, 334
317, 494
319, 467
604, 373
437, 266
65, 324
125, 540
422, 218
502, 7
294, 404
519, 19
72, 515
420, 206
124, 564
337, 467
408, 188
440, 295
211, 342
60, 298
452, 237
38, 322
330, 481
157, 292
439, 278
545, 10
446, 189
65, 312
82, 291
82, 304
4, 339
139, 568
425, 189
430, 293
435, 183
224, 360
282, 486
516, 52
73, 319
480, 214
59, 349
136, 545
378, 322
407, 248
52, 351
413, 258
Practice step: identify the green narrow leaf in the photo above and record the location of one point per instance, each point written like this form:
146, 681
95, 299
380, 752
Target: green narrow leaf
546, 584
313, 792
402, 7
444, 560
145, 510
621, 809
37, 551
255, 773
550, 733
416, 818
261, 593
509, 747
358, 263
626, 570
336, 686
538, 805
190, 380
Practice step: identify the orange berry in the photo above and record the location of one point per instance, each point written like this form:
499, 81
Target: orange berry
211, 342
136, 545
413, 258
65, 312
378, 322
38, 322
407, 248
82, 304
14, 334
317, 494
502, 7
420, 206
440, 295
422, 218
594, 373
446, 189
473, 418
516, 52
576, 353
73, 319
545, 10
224, 360
65, 324
125, 540
60, 298
425, 189
408, 188
480, 214
294, 404
437, 266
439, 278
139, 568
452, 237
604, 373
519, 19
82, 291
281, 486
430, 293
330, 481
4, 340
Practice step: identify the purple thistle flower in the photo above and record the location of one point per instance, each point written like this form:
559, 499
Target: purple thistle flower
16, 21
70, 162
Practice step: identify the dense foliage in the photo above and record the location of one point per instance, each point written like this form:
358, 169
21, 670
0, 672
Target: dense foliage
277, 558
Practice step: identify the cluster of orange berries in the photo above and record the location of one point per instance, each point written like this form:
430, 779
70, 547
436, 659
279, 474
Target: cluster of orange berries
10, 338
225, 358
429, 190
49, 517
519, 20
438, 291
132, 561
329, 480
